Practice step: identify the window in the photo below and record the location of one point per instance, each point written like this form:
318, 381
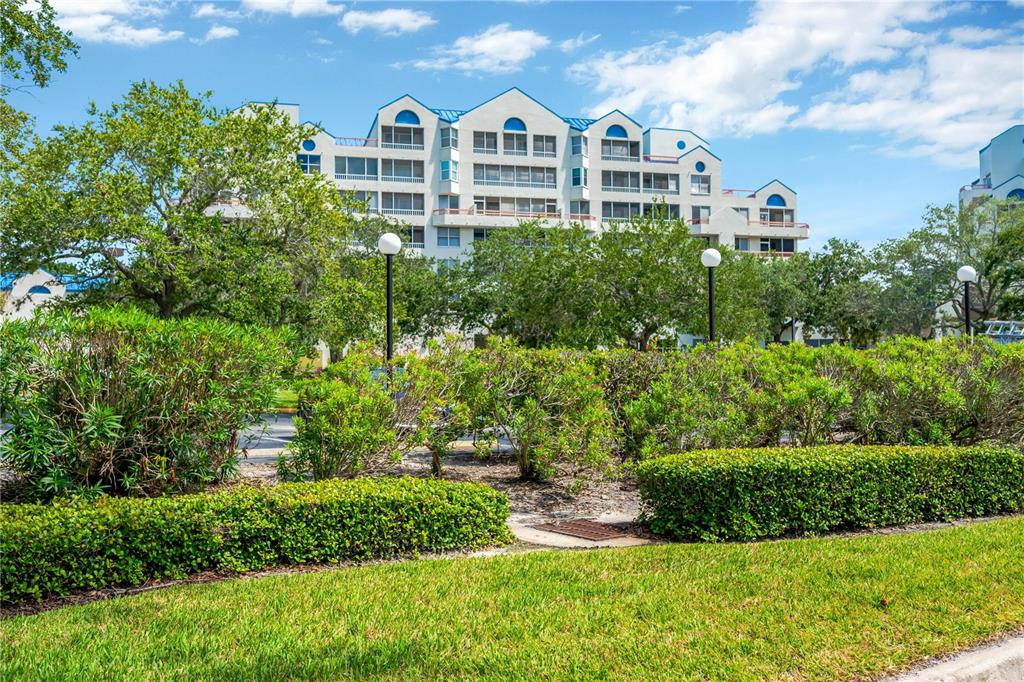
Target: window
615, 131
579, 145
400, 203
662, 210
449, 236
700, 184
39, 290
742, 244
402, 170
485, 143
775, 200
745, 212
357, 202
416, 239
544, 145
309, 163
579, 208
579, 177
514, 144
407, 117
449, 138
445, 265
448, 201
620, 150
777, 216
700, 214
354, 168
308, 145
620, 181
450, 170
514, 176
401, 137
515, 205
777, 245
618, 210
661, 183
479, 234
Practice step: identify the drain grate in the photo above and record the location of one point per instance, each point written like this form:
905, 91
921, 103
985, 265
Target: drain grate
588, 530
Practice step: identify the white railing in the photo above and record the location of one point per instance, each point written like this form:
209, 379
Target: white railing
356, 141
485, 150
400, 178
402, 211
619, 188
497, 213
513, 183
545, 155
655, 158
778, 223
700, 189
619, 157
401, 145
514, 152
660, 190
352, 176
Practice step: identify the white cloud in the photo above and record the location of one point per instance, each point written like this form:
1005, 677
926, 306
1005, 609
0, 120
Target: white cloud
499, 49
937, 98
114, 21
679, 9
976, 34
296, 8
573, 44
218, 32
209, 10
389, 22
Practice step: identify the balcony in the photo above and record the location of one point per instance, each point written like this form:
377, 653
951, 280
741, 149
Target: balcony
782, 228
402, 145
356, 141
656, 158
545, 155
402, 211
478, 217
747, 193
661, 190
401, 178
700, 189
514, 183
619, 157
620, 188
514, 152
486, 150
352, 176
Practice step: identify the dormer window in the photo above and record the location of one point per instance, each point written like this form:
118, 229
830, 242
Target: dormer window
401, 137
408, 118
514, 138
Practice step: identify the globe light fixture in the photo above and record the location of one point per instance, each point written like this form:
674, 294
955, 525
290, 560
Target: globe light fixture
389, 245
711, 259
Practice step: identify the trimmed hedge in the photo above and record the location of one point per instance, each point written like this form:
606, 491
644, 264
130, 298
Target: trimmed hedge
59, 548
746, 494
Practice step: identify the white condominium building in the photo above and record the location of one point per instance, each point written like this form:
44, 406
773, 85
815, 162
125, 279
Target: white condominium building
1000, 169
451, 176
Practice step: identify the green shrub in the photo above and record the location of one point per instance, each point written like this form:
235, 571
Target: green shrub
58, 548
758, 493
120, 402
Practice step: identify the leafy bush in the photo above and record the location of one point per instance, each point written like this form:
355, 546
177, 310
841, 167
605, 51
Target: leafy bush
548, 404
757, 493
58, 548
117, 401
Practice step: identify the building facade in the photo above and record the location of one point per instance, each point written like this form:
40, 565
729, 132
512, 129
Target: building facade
21, 294
452, 176
1000, 169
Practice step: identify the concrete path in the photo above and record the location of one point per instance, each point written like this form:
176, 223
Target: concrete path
1001, 661
520, 525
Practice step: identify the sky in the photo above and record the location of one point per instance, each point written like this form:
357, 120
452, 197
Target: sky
870, 112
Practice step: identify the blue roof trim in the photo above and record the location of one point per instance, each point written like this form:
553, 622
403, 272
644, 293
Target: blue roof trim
778, 181
449, 115
1018, 175
410, 97
318, 127
7, 280
516, 89
577, 123
700, 146
619, 111
678, 130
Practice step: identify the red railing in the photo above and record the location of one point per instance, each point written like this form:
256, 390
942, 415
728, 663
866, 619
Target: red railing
498, 213
356, 141
778, 223
731, 192
656, 158
977, 185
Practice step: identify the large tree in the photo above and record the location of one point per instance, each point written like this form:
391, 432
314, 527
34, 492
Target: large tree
184, 209
845, 298
785, 293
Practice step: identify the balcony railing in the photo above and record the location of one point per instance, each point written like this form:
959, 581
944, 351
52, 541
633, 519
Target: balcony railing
778, 223
417, 245
401, 145
515, 183
485, 150
497, 213
619, 157
700, 189
661, 190
401, 178
749, 193
620, 188
656, 158
402, 211
514, 152
977, 185
354, 176
356, 141
545, 155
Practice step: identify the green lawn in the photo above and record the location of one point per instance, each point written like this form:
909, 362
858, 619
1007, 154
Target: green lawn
802, 609
286, 398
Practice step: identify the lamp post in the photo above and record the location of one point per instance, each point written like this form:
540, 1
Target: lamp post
389, 244
711, 259
967, 274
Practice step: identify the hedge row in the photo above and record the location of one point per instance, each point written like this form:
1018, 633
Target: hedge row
746, 494
59, 548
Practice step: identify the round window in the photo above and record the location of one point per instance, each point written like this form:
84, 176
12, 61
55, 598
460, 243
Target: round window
700, 166
309, 145
681, 144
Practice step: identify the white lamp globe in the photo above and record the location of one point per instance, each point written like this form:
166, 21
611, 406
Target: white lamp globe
967, 274
711, 258
389, 244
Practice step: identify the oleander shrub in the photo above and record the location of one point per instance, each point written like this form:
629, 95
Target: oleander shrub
59, 548
747, 494
117, 401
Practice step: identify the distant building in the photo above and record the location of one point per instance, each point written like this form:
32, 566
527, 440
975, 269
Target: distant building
454, 175
1000, 169
21, 294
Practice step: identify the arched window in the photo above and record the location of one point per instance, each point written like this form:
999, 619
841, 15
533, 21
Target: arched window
39, 289
408, 118
616, 131
776, 200
515, 125
1016, 195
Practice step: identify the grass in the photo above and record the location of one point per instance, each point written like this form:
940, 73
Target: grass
286, 398
827, 608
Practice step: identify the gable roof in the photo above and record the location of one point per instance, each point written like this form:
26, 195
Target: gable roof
700, 146
775, 180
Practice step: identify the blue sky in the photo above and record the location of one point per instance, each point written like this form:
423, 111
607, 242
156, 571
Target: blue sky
869, 111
